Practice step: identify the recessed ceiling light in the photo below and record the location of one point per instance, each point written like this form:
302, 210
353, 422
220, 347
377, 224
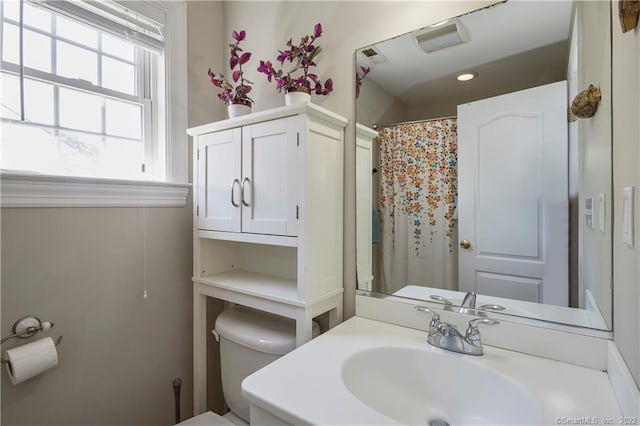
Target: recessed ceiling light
437, 24
467, 76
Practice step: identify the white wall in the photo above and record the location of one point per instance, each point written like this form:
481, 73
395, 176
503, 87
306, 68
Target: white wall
626, 157
347, 26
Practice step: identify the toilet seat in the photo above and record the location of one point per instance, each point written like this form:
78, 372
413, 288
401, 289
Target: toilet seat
206, 419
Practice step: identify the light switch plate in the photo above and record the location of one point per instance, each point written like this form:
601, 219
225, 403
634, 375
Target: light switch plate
627, 216
588, 212
601, 212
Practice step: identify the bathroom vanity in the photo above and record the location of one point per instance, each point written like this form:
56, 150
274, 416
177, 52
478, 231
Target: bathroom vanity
367, 372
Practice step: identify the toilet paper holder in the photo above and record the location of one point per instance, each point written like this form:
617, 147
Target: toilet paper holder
28, 326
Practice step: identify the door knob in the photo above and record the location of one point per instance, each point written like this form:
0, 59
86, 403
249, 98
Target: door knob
465, 244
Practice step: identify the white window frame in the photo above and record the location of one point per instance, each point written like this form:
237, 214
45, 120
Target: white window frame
38, 190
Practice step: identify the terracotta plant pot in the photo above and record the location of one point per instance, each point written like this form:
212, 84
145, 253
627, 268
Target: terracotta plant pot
236, 110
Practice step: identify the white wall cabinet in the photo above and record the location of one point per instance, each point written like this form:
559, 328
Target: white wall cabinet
248, 177
268, 211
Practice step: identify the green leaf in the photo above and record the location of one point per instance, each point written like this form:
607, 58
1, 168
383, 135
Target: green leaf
314, 53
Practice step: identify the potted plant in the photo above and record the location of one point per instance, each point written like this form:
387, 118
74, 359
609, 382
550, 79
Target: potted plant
298, 82
237, 99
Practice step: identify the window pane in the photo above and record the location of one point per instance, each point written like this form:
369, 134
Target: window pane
122, 158
79, 110
10, 96
36, 17
11, 9
79, 154
28, 148
116, 149
118, 76
123, 119
68, 153
10, 43
76, 62
38, 102
76, 32
118, 47
37, 52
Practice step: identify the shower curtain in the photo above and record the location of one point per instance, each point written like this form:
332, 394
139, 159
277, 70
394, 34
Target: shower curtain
418, 194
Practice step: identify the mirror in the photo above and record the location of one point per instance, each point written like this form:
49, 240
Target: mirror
479, 182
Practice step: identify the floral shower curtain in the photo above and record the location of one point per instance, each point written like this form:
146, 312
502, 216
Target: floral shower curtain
418, 192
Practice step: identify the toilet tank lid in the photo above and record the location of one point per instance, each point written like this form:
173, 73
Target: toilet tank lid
257, 330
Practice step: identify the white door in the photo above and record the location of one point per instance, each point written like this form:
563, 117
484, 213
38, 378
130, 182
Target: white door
219, 176
269, 165
512, 195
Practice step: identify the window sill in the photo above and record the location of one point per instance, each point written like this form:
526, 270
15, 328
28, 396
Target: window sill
34, 190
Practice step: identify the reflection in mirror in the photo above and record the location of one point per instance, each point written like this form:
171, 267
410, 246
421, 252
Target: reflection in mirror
474, 179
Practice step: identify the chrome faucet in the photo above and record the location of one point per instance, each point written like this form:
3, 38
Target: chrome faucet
468, 305
446, 336
469, 300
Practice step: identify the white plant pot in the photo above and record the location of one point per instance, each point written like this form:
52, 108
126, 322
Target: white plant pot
294, 98
236, 110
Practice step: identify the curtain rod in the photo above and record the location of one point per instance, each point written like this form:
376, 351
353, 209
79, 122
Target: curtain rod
377, 126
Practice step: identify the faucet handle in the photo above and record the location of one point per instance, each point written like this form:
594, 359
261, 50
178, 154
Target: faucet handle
421, 308
435, 318
477, 321
473, 332
440, 299
492, 307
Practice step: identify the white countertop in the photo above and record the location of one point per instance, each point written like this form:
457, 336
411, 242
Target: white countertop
306, 386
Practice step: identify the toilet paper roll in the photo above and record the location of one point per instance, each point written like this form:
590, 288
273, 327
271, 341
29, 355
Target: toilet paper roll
29, 360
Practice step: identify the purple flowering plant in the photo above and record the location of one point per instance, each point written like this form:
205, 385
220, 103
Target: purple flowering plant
301, 56
359, 77
239, 93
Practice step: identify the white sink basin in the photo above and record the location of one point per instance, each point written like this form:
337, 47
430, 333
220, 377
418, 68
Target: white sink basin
366, 372
425, 385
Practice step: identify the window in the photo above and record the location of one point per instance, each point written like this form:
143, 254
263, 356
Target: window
87, 97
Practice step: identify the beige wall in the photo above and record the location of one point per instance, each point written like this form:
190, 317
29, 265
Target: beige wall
626, 157
82, 269
347, 26
205, 50
376, 105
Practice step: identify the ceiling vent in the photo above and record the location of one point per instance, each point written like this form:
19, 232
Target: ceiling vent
438, 38
373, 55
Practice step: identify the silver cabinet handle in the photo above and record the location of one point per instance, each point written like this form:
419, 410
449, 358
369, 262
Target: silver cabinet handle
245, 180
233, 187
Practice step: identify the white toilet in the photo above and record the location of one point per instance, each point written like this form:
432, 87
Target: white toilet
249, 340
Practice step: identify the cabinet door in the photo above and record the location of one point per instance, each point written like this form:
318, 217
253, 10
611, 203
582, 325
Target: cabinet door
219, 176
269, 170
